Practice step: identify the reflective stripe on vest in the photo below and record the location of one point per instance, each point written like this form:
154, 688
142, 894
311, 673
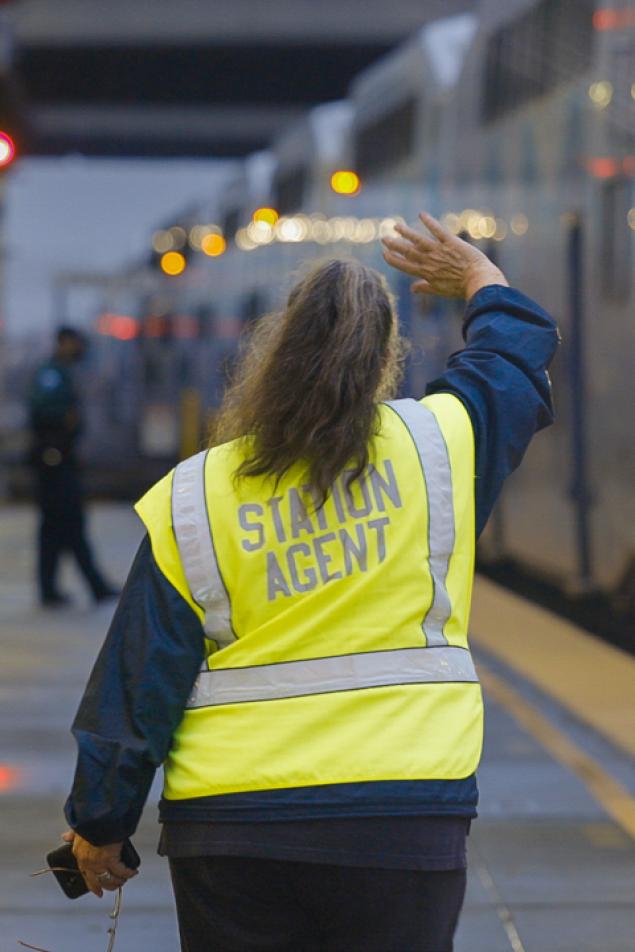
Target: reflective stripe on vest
196, 548
269, 682
435, 463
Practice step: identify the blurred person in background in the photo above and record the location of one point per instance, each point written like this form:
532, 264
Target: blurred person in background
55, 423
291, 643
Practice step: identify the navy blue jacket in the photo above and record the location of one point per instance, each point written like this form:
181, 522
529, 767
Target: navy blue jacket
154, 648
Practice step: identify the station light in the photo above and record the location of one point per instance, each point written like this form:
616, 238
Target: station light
628, 165
10, 777
173, 263
601, 93
121, 326
487, 226
7, 150
179, 237
612, 18
631, 218
452, 222
185, 326
501, 230
162, 241
520, 224
345, 182
267, 215
603, 167
213, 245
260, 232
156, 325
292, 229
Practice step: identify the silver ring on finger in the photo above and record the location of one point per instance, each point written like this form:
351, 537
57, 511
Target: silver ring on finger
104, 877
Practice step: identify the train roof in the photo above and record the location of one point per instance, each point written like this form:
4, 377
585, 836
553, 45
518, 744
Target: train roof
317, 136
248, 188
435, 56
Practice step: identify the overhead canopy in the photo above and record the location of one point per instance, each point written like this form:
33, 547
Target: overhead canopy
165, 78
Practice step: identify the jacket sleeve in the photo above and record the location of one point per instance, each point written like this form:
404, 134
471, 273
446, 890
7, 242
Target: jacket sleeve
501, 377
133, 702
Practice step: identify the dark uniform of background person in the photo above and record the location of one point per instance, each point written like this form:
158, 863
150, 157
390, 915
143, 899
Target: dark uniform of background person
55, 422
276, 869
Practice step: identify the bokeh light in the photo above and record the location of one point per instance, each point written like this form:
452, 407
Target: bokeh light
260, 232
345, 182
121, 326
173, 263
267, 215
213, 245
501, 230
520, 225
487, 226
601, 93
10, 778
179, 237
162, 241
7, 149
452, 222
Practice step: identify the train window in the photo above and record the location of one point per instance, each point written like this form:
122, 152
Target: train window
231, 222
572, 24
289, 187
617, 247
205, 316
549, 44
386, 140
252, 307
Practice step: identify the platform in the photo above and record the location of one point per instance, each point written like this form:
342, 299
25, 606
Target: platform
552, 855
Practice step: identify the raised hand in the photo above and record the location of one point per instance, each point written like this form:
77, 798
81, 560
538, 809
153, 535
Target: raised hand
443, 264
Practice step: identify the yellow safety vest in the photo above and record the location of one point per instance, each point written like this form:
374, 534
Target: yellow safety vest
337, 637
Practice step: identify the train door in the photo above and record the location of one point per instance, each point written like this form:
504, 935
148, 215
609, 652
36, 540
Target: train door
405, 304
579, 487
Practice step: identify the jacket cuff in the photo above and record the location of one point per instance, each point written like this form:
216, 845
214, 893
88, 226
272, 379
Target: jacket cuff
507, 300
98, 832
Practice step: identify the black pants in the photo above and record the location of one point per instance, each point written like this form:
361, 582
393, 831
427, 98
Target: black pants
62, 527
237, 904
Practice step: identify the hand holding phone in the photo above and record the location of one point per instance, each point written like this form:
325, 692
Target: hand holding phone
65, 869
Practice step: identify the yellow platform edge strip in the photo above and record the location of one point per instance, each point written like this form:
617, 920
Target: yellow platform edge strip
609, 793
588, 677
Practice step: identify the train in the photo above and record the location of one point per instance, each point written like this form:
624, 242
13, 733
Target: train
517, 129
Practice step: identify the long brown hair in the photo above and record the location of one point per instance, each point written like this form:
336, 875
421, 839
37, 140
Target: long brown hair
309, 378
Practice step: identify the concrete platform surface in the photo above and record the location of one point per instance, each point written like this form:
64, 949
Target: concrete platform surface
551, 868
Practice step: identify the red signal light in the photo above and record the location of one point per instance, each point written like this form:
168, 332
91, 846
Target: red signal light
612, 18
7, 150
120, 326
602, 167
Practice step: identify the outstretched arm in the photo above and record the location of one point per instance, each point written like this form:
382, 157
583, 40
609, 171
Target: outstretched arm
501, 374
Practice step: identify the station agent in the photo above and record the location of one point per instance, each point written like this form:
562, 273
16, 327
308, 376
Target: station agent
292, 643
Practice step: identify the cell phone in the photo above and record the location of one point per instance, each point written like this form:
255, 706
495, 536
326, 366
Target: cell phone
72, 883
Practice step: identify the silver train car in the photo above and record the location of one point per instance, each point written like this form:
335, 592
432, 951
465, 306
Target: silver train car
542, 149
518, 129
526, 145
